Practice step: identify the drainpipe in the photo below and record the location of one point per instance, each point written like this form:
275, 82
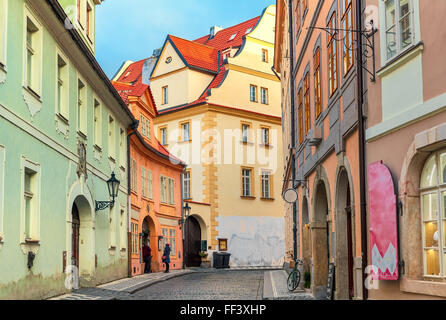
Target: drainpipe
361, 135
133, 127
293, 129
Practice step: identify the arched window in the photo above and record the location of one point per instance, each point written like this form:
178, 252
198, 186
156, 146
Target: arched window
433, 207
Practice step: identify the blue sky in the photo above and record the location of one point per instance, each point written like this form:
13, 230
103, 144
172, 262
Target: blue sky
132, 29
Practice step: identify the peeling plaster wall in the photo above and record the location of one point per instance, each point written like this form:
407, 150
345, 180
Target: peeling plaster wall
253, 241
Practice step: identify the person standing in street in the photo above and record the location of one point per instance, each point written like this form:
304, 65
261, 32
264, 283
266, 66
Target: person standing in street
166, 257
147, 257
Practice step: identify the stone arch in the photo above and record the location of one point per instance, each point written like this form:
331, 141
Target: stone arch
80, 199
320, 232
149, 233
345, 239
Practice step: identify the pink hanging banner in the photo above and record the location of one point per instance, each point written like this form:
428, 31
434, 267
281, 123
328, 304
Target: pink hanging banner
383, 222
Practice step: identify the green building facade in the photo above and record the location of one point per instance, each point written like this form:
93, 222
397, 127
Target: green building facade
63, 131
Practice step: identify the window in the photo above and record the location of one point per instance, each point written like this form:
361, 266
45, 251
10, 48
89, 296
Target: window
171, 191
317, 82
2, 183
112, 228
253, 93
89, 20
97, 123
133, 172
347, 26
135, 237
266, 184
307, 102
233, 37
169, 237
226, 54
433, 207
111, 137
398, 26
264, 95
149, 184
62, 87
248, 30
332, 56
265, 136
33, 56
246, 182
264, 55
122, 148
245, 132
82, 107
185, 132
165, 95
122, 230
144, 182
300, 114
163, 186
31, 201
3, 29
79, 11
163, 136
145, 126
186, 185
298, 16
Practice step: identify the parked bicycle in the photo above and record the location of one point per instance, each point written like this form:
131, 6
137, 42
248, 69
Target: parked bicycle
294, 276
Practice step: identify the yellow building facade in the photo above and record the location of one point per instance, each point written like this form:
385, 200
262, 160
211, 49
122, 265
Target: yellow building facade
219, 111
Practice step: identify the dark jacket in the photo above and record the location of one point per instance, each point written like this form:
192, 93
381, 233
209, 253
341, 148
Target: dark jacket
167, 253
146, 252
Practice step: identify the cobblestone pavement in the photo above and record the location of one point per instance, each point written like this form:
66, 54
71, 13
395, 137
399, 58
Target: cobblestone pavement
275, 287
219, 285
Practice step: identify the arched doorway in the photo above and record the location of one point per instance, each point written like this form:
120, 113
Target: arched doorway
344, 239
149, 234
320, 236
82, 241
306, 240
192, 243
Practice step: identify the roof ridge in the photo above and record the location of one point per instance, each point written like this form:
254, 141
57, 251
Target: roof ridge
235, 25
193, 41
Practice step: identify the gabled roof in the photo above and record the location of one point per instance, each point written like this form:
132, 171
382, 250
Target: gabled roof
133, 73
195, 54
222, 40
126, 90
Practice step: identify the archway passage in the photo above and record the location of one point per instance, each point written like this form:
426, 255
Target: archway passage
192, 245
306, 238
320, 236
149, 235
344, 240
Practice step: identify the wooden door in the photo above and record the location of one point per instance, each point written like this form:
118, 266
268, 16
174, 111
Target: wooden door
192, 243
75, 237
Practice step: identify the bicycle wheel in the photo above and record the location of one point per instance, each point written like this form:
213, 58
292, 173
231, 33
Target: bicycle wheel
293, 280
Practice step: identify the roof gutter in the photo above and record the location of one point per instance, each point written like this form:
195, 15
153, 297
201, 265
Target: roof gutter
60, 13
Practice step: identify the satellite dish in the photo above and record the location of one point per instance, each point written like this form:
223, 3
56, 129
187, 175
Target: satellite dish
290, 195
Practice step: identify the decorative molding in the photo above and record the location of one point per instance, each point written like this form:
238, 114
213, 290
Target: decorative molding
33, 103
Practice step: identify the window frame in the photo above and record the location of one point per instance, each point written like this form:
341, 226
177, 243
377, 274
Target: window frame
161, 137
251, 87
264, 90
332, 55
347, 23
3, 34
182, 136
163, 188
171, 191
306, 102
63, 101
164, 95
35, 86
187, 185
248, 131
317, 82
244, 183
133, 173
264, 129
36, 168
97, 122
82, 108
2, 191
439, 190
300, 115
111, 137
270, 184
265, 55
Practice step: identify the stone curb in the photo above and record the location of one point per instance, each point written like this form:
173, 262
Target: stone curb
146, 284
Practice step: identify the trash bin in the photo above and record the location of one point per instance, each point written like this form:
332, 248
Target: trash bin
225, 258
217, 260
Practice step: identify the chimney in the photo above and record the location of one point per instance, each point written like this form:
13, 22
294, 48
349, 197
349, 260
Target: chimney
214, 31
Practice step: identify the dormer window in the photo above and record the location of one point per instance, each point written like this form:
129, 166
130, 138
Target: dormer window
233, 37
248, 31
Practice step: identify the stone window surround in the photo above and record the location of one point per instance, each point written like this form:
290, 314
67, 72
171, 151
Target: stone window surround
413, 279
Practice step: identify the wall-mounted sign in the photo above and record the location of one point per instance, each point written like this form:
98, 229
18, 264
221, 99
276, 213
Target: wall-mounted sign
222, 244
290, 195
383, 222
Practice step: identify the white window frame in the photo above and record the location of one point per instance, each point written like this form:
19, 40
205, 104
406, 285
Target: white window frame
36, 81
264, 95
266, 184
3, 33
111, 138
253, 94
415, 23
82, 106
171, 190
187, 185
65, 100
185, 137
97, 122
122, 147
163, 136
165, 94
35, 167
247, 182
245, 133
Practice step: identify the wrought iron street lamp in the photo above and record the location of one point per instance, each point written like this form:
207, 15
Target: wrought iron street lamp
113, 188
186, 210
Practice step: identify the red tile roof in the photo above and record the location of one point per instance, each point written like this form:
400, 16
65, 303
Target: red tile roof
133, 73
197, 55
222, 40
125, 90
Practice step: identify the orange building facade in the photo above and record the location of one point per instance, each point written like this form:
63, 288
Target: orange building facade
155, 183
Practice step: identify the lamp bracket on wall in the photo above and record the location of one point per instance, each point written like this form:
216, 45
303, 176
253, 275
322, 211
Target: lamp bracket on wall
368, 51
101, 205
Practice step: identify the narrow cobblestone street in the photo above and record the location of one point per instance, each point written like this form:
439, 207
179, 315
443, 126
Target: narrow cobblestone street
222, 285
